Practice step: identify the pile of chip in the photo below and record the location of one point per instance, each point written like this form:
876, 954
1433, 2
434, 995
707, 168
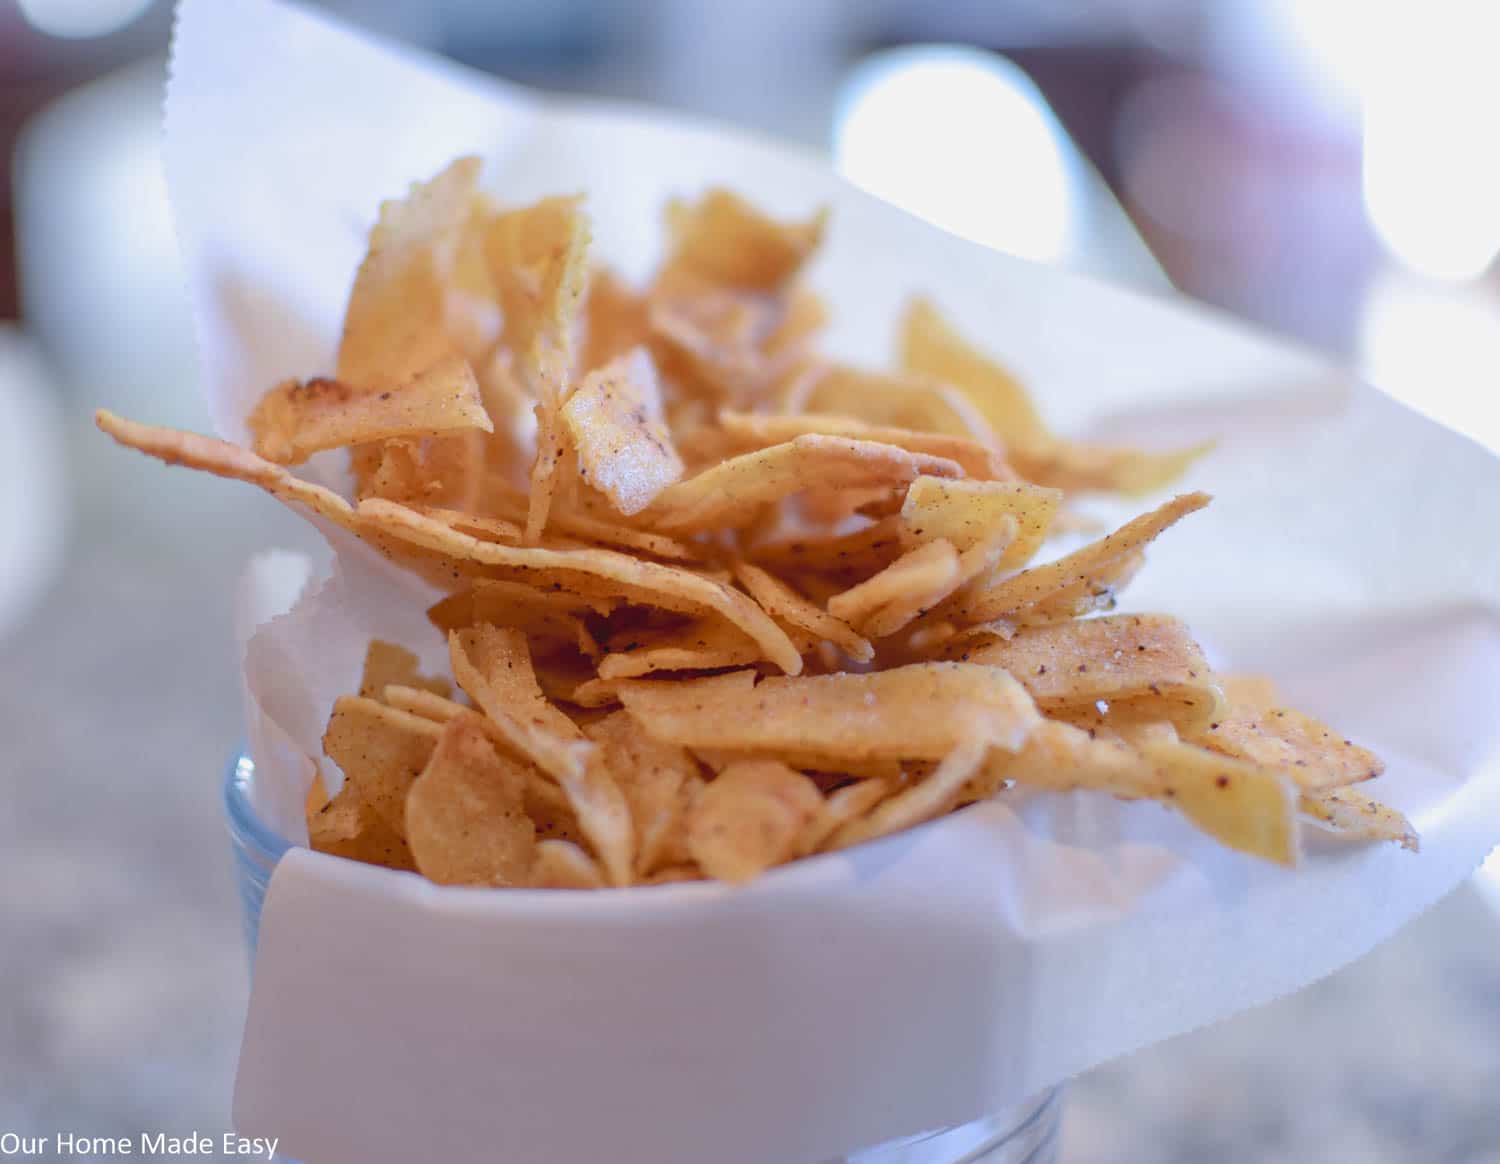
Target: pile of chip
714, 601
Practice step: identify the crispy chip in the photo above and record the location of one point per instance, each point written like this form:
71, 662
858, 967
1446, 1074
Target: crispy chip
751, 816
889, 399
387, 663
348, 827
1143, 665
299, 418
699, 646
562, 864
746, 431
466, 821
1350, 812
396, 323
978, 561
421, 701
723, 241
549, 618
1070, 581
1079, 467
926, 575
966, 513
1308, 751
921, 711
595, 572
614, 420
922, 801
733, 492
380, 751
1061, 757
792, 610
659, 781
614, 320
861, 551
847, 804
588, 527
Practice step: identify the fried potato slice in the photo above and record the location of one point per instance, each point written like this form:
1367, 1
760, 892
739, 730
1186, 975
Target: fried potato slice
659, 782
1245, 806
1351, 813
844, 805
614, 420
735, 491
931, 569
444, 471
750, 817
549, 618
422, 702
396, 323
386, 663
466, 817
704, 645
978, 561
861, 551
966, 513
920, 711
561, 864
791, 609
588, 527
614, 318
595, 572
722, 240
1071, 580
348, 827
1307, 750
1105, 468
893, 400
1060, 757
922, 801
296, 419
747, 431
381, 751
1146, 666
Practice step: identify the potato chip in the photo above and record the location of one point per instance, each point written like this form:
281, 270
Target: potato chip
920, 711
615, 422
893, 400
595, 572
387, 663
1104, 468
733, 492
1143, 665
927, 798
466, 819
659, 782
1350, 812
395, 325
930, 572
751, 816
421, 701
966, 512
493, 665
1070, 581
348, 827
792, 610
1306, 750
1060, 757
722, 240
699, 646
1242, 805
844, 805
587, 527
861, 551
296, 419
614, 320
445, 471
563, 865
381, 751
746, 431
978, 561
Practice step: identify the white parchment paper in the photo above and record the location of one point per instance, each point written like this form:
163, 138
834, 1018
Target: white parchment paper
914, 983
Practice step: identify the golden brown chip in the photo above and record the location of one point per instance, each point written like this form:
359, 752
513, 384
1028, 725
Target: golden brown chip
396, 324
493, 665
614, 420
722, 240
421, 701
659, 782
1146, 666
1307, 750
348, 827
594, 572
861, 551
921, 711
561, 864
387, 663
1073, 579
550, 619
750, 817
1061, 757
745, 431
792, 610
381, 751
967, 512
847, 804
571, 520
1104, 468
299, 418
707, 645
614, 320
927, 798
466, 820
1350, 812
735, 491
889, 399
924, 575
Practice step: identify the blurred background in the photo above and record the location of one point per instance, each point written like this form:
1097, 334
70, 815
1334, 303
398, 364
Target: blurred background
1324, 168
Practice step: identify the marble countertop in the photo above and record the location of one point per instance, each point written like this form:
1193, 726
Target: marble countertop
123, 978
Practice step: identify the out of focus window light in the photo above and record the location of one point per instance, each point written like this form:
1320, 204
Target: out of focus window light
79, 19
963, 139
1426, 84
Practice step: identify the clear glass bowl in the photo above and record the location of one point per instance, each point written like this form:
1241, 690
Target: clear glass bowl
1025, 1134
